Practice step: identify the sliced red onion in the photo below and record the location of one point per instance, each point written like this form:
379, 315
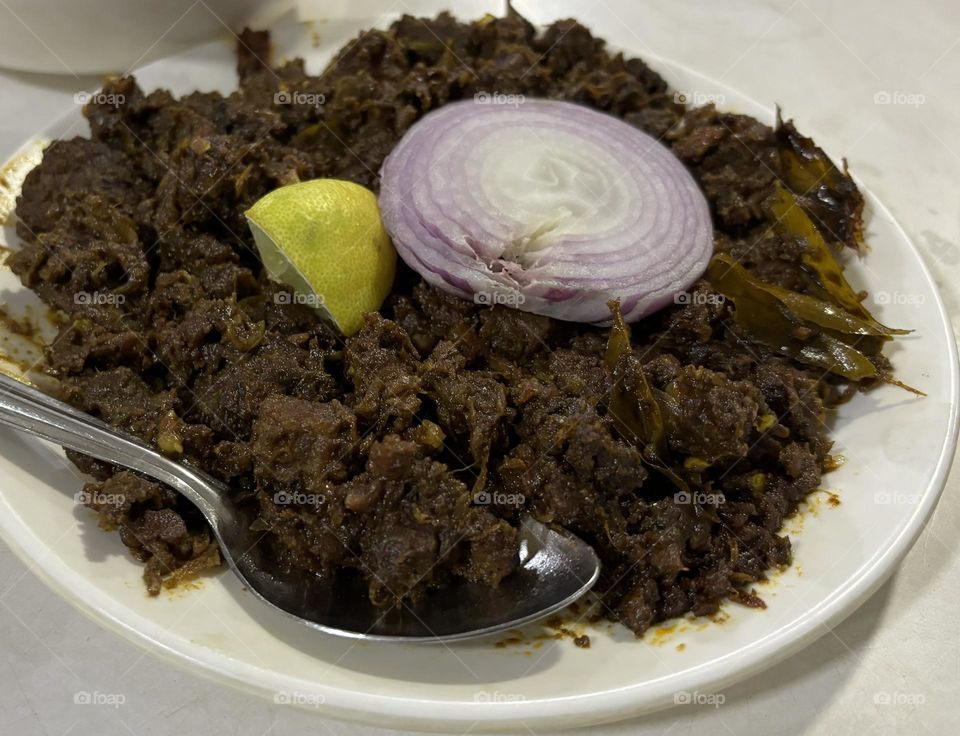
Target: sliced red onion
547, 206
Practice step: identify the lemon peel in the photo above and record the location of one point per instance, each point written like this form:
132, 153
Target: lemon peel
325, 240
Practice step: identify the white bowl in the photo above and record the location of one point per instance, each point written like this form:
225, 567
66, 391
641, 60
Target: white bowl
113, 36
897, 448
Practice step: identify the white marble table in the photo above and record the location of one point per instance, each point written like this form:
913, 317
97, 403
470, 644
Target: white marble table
831, 65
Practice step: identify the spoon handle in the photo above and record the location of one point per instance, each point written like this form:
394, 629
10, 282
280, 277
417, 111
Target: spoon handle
30, 410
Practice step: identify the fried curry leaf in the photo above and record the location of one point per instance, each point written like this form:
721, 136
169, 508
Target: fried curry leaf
831, 318
827, 193
634, 406
793, 221
632, 403
618, 344
765, 312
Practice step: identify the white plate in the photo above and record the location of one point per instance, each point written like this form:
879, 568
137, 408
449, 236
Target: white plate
897, 449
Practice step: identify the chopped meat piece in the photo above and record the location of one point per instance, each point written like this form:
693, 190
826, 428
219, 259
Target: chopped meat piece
382, 364
302, 444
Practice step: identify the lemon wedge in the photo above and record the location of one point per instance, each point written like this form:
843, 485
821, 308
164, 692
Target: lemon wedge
325, 240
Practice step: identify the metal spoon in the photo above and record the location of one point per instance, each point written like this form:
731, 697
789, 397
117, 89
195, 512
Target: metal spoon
554, 569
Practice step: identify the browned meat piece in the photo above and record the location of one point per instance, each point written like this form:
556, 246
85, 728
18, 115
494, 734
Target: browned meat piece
93, 251
700, 142
712, 417
229, 400
302, 444
736, 159
122, 398
469, 404
400, 557
253, 53
449, 317
85, 343
115, 498
75, 167
601, 461
491, 549
152, 527
382, 364
772, 258
516, 335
